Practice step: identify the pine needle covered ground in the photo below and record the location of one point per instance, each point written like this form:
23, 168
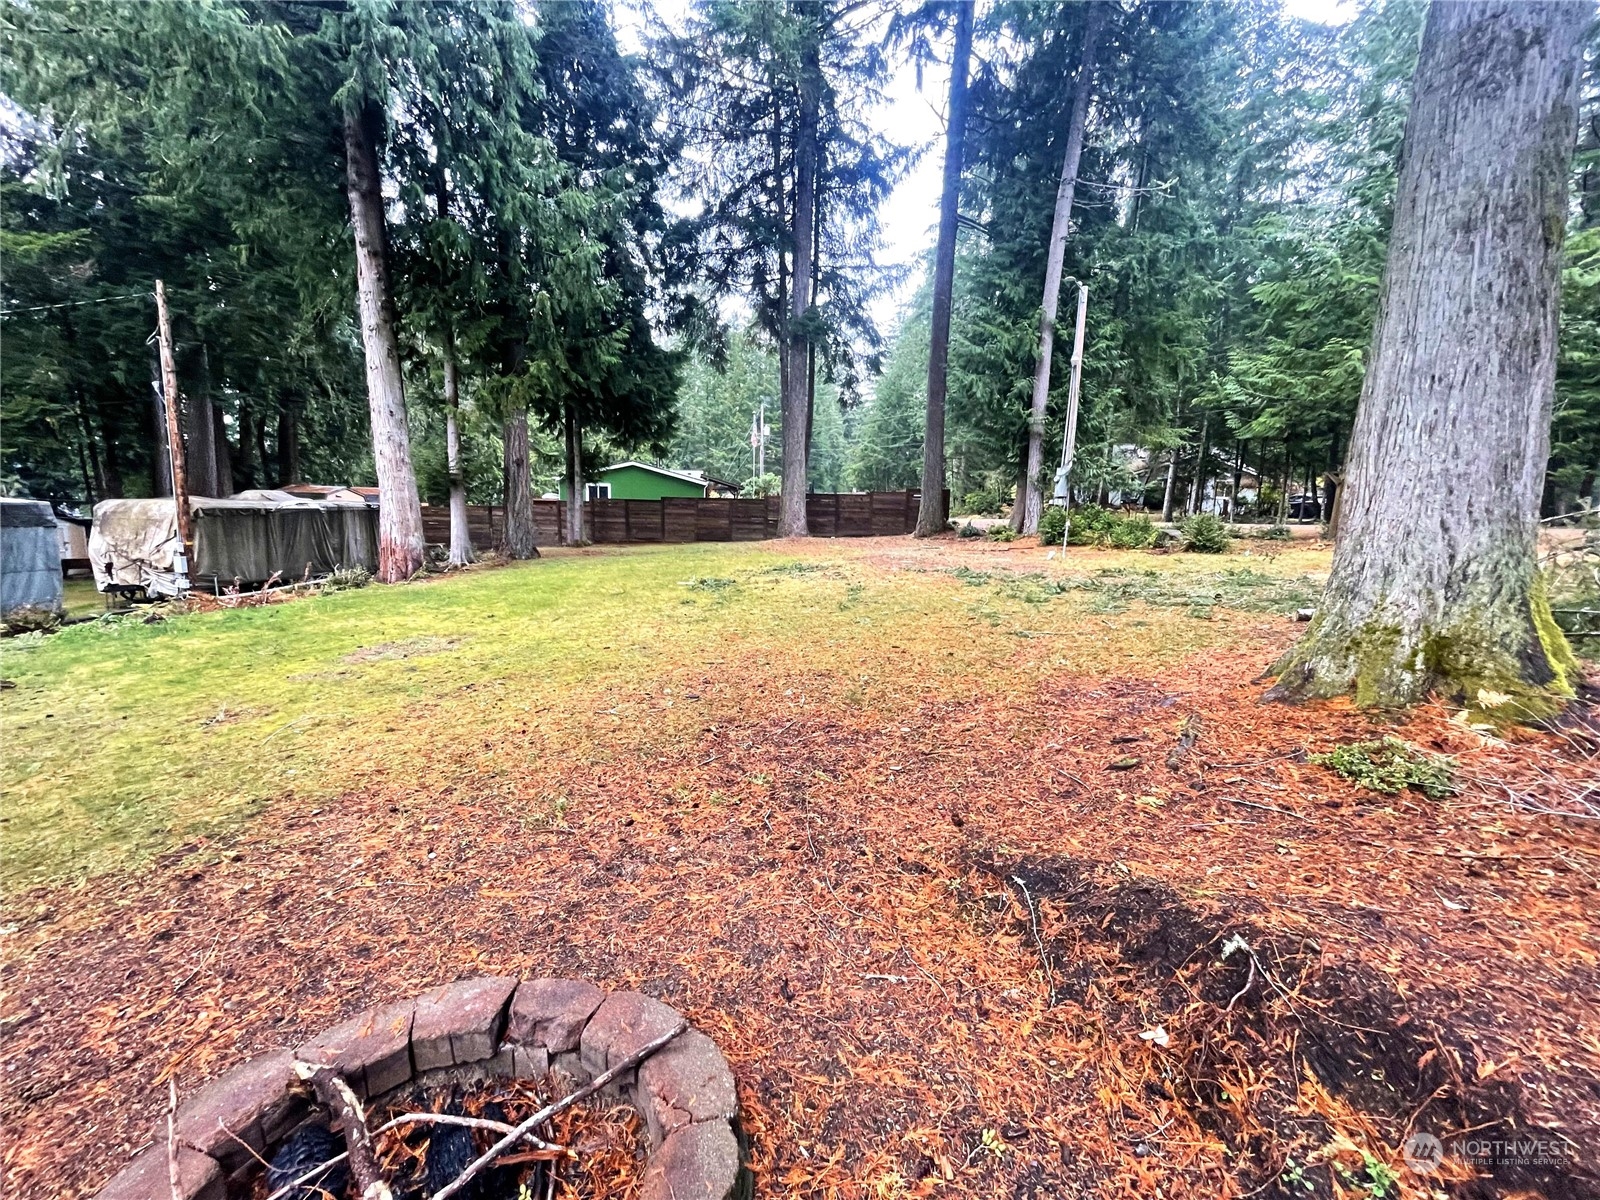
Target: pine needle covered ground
988, 869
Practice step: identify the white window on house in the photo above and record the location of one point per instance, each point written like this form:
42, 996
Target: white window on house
597, 491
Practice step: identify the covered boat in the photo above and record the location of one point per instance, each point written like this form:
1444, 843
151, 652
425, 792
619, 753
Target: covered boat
244, 540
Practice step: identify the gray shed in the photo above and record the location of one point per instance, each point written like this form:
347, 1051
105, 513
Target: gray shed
30, 556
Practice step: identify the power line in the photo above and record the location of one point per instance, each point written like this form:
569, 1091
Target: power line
8, 312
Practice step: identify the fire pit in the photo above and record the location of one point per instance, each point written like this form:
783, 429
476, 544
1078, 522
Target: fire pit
447, 1041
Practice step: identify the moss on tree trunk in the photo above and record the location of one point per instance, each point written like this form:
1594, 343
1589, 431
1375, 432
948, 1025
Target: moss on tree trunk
1435, 584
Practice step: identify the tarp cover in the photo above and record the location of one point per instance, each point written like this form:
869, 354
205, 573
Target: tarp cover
250, 538
30, 556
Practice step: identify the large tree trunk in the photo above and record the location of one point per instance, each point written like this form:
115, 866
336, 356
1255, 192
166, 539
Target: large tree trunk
199, 428
263, 457
1032, 500
460, 535
1197, 489
244, 468
1434, 583
572, 433
221, 454
289, 446
797, 340
520, 541
930, 512
400, 545
224, 453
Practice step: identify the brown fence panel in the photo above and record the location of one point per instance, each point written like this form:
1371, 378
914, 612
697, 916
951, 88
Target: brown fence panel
547, 522
689, 519
484, 522
855, 515
822, 514
608, 520
713, 520
646, 520
886, 513
749, 520
679, 518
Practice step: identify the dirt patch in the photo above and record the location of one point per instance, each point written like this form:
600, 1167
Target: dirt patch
1274, 1051
409, 648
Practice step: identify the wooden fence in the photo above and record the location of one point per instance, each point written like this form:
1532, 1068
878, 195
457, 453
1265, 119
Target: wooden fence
692, 519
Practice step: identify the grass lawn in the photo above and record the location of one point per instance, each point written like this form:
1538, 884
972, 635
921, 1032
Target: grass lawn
80, 598
928, 836
129, 738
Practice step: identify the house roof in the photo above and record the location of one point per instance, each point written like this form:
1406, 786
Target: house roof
696, 477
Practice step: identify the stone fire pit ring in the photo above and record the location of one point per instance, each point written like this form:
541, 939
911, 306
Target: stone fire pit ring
488, 1027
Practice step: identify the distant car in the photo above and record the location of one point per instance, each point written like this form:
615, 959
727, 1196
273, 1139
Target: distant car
1305, 507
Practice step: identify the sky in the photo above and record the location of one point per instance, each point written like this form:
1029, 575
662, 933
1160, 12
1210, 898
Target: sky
913, 116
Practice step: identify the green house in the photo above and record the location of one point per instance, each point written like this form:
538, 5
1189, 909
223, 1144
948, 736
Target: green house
641, 481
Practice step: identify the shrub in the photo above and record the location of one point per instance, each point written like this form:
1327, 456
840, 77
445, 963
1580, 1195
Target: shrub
1204, 534
1133, 533
1389, 766
983, 503
1091, 525
1096, 526
1002, 533
1275, 533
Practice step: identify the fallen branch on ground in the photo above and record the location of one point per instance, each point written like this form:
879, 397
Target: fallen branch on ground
1038, 940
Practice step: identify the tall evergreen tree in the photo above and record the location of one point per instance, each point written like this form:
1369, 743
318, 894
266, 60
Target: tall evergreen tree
1454, 420
789, 178
930, 512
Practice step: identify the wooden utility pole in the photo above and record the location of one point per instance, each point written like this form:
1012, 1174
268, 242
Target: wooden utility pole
169, 402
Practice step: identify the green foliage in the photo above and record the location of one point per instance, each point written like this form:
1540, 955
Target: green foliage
735, 74
985, 502
1273, 533
202, 144
1096, 526
1137, 532
758, 486
1204, 533
1052, 525
1390, 765
1002, 533
886, 450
